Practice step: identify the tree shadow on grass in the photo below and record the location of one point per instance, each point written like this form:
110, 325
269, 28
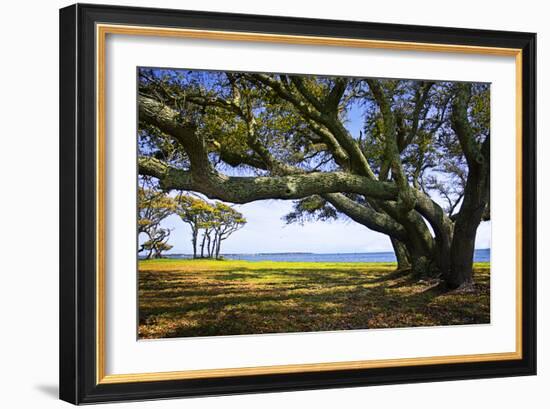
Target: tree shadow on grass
233, 303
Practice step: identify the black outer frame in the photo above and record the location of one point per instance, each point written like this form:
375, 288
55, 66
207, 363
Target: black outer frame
78, 209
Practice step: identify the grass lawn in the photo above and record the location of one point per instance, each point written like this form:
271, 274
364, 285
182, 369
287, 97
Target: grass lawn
184, 298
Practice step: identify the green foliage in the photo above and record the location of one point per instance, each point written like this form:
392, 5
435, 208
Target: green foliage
153, 207
480, 111
217, 221
309, 209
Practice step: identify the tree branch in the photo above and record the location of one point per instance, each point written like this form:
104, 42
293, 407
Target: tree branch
298, 82
421, 97
330, 122
406, 199
241, 189
462, 128
366, 216
335, 95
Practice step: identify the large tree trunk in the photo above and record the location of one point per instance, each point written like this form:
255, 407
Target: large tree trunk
401, 254
476, 192
466, 225
462, 255
423, 263
443, 256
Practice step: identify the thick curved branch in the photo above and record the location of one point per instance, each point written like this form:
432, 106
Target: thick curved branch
214, 102
170, 122
340, 155
335, 95
241, 189
298, 82
436, 216
203, 178
366, 216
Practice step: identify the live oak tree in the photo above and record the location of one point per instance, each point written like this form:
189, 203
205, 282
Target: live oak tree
417, 170
154, 206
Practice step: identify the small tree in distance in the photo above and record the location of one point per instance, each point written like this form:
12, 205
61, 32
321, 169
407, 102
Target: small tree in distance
194, 212
228, 222
154, 206
157, 243
217, 221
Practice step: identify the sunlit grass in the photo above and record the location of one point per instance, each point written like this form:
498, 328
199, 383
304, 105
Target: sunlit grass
179, 298
167, 264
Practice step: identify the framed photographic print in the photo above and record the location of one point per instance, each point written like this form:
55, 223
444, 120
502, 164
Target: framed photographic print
257, 203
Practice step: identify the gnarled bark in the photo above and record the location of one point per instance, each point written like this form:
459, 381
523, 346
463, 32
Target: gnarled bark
401, 254
476, 192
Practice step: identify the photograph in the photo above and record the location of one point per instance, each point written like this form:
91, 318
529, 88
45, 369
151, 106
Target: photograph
288, 203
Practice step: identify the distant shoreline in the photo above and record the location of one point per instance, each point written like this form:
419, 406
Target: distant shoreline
480, 255
298, 253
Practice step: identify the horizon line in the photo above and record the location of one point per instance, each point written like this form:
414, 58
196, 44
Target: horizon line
305, 252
